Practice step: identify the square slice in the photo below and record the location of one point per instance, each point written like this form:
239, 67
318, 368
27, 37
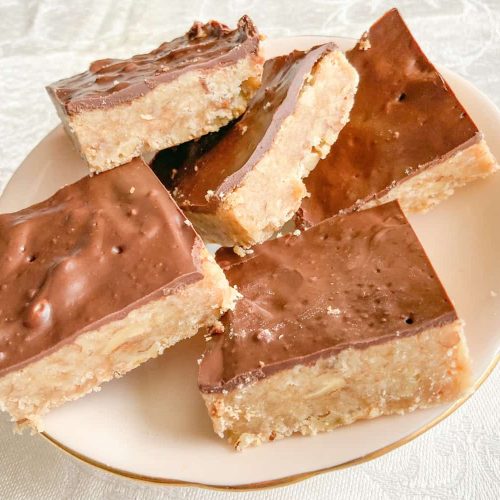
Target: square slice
248, 180
121, 108
345, 321
94, 281
408, 137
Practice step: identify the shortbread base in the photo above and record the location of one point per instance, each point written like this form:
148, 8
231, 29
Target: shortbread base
424, 190
396, 376
192, 105
272, 191
114, 349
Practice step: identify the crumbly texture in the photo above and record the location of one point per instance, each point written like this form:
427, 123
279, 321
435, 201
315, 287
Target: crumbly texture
114, 349
396, 376
196, 103
428, 188
271, 192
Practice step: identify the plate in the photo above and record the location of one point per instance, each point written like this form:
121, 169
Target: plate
152, 424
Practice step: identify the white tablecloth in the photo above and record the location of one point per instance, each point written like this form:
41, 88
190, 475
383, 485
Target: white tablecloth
41, 41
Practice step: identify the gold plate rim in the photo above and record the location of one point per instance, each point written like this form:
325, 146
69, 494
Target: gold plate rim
284, 481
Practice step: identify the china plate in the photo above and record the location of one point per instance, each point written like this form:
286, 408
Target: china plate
152, 424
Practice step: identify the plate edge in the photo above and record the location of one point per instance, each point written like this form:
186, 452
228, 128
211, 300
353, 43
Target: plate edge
287, 480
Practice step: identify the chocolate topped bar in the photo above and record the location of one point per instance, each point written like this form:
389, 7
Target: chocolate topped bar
108, 82
351, 281
86, 256
405, 119
207, 172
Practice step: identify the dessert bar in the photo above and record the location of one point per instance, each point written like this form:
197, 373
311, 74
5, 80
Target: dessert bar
408, 137
94, 281
245, 182
121, 108
344, 321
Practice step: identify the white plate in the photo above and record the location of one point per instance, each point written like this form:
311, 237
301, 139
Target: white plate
152, 424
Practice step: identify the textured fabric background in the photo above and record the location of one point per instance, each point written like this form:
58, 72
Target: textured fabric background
41, 41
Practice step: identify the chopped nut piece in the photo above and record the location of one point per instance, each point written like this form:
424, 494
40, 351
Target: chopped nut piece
333, 311
240, 252
364, 43
132, 190
265, 335
326, 384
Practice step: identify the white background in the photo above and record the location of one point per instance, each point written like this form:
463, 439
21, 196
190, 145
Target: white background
46, 40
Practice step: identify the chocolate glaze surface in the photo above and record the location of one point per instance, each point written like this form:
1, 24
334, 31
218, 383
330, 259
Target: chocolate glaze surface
350, 281
178, 160
86, 256
109, 82
405, 118
219, 164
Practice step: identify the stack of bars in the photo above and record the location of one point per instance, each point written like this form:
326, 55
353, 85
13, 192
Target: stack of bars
342, 318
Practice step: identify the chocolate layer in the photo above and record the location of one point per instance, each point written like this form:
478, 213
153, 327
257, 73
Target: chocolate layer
351, 281
211, 171
168, 163
405, 118
109, 82
86, 256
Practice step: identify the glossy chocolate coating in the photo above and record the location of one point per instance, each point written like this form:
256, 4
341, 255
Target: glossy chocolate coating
177, 160
220, 164
108, 82
86, 256
351, 281
405, 118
